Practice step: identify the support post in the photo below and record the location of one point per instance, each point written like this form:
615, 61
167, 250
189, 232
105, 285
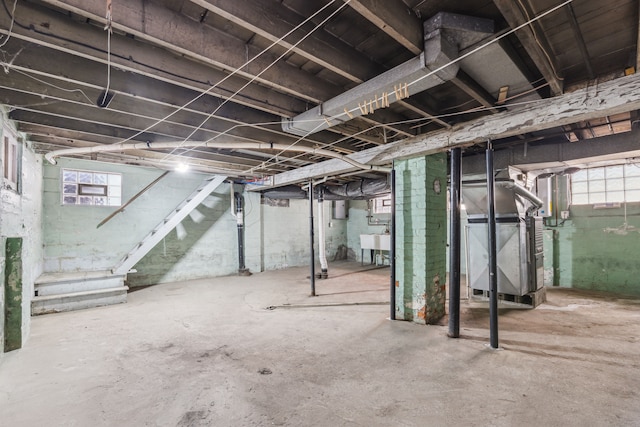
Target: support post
454, 244
392, 248
492, 249
312, 275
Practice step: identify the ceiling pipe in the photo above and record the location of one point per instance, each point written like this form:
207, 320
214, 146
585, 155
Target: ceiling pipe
210, 144
444, 36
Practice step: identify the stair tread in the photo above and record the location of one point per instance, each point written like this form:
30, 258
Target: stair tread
182, 210
46, 278
79, 294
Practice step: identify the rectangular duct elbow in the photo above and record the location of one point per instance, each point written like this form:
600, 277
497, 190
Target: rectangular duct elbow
414, 76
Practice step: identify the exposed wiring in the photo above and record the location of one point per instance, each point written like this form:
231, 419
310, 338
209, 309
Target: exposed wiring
234, 72
347, 113
254, 78
109, 29
13, 12
535, 37
267, 162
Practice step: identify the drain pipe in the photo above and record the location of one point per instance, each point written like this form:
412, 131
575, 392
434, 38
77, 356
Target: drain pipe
51, 156
392, 247
321, 235
312, 275
242, 269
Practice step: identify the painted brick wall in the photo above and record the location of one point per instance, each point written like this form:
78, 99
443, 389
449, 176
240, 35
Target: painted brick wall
21, 216
421, 238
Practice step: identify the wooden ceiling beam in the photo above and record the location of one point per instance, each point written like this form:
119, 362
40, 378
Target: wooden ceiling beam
158, 25
65, 37
613, 97
577, 33
401, 23
272, 21
541, 56
394, 18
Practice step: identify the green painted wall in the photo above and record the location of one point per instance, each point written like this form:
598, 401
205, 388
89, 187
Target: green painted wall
596, 254
73, 243
21, 217
278, 237
421, 238
358, 224
13, 294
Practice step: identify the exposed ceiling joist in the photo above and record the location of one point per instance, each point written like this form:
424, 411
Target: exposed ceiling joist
613, 97
538, 49
398, 21
163, 27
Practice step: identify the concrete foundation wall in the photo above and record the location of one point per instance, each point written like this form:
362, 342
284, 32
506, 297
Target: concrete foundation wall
21, 216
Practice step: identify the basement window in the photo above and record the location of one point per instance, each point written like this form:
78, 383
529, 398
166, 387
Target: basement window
609, 184
11, 155
90, 188
382, 205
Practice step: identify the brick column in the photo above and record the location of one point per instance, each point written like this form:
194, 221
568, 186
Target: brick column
421, 238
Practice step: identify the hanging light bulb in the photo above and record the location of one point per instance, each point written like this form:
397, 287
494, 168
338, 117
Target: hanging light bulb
196, 216
182, 167
180, 231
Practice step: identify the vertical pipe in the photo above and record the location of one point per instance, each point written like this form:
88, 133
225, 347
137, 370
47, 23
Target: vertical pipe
392, 248
454, 244
324, 268
313, 265
242, 269
492, 249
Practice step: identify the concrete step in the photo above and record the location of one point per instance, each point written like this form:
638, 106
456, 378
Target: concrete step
78, 300
80, 281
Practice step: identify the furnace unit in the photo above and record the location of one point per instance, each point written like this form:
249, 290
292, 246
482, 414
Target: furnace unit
518, 238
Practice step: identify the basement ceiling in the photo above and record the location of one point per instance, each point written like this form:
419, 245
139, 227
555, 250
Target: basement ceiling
229, 71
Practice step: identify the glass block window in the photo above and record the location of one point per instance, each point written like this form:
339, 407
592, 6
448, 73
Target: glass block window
91, 188
609, 184
382, 205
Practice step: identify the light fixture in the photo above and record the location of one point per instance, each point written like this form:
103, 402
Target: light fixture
182, 167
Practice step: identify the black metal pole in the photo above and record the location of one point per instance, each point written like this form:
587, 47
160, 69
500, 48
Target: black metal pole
454, 243
312, 258
392, 248
492, 248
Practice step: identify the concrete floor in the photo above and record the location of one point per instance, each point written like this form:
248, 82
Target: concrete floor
209, 353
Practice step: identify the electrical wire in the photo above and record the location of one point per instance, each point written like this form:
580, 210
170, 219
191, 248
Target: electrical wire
321, 121
234, 72
340, 116
109, 29
254, 78
13, 11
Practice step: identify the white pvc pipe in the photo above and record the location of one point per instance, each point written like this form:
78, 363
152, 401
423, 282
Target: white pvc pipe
321, 237
211, 144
